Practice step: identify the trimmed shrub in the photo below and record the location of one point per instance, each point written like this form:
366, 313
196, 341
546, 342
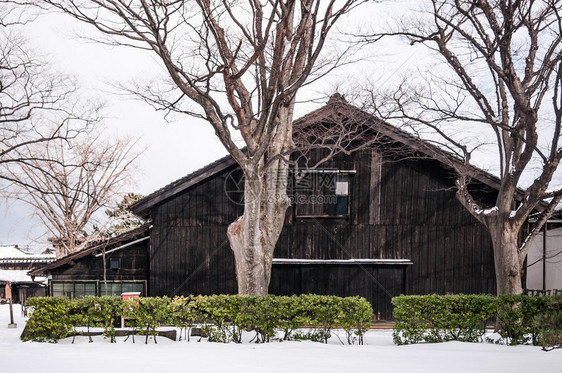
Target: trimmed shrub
222, 318
108, 311
439, 318
96, 312
355, 318
146, 314
50, 320
549, 325
54, 318
292, 315
515, 316
218, 316
184, 313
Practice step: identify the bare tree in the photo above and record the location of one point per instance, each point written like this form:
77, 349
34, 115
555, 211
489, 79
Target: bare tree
504, 59
37, 105
66, 194
241, 63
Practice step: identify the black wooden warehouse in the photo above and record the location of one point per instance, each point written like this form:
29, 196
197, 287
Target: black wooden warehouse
393, 227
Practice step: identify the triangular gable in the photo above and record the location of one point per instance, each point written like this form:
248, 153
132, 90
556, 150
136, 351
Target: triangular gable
339, 107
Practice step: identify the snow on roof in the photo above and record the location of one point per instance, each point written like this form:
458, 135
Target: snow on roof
17, 275
13, 254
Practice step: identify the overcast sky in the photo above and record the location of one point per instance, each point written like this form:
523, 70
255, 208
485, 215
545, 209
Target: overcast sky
174, 149
178, 148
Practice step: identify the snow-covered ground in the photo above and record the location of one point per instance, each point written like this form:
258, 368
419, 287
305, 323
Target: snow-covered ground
378, 355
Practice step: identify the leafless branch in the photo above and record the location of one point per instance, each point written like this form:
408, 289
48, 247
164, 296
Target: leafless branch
502, 59
88, 176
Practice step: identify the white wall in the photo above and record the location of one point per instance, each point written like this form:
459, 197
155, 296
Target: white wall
553, 261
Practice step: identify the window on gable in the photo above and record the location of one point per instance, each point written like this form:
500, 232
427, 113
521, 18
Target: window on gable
115, 263
322, 193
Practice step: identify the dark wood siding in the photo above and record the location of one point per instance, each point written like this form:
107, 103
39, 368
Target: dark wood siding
134, 266
399, 209
189, 249
376, 283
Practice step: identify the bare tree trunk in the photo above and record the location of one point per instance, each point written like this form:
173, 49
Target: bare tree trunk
246, 240
253, 236
104, 272
480, 42
260, 60
506, 259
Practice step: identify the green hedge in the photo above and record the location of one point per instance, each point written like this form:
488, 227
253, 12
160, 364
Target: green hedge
222, 318
50, 321
97, 312
549, 325
439, 318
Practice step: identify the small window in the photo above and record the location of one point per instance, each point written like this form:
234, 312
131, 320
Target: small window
342, 195
90, 289
57, 289
115, 264
322, 193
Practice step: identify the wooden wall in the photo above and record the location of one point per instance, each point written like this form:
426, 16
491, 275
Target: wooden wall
189, 250
134, 266
399, 209
376, 283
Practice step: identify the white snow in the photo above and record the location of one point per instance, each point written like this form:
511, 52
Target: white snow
490, 210
378, 355
340, 261
487, 211
18, 275
13, 253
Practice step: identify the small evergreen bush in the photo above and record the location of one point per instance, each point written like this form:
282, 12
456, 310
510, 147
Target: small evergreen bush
515, 315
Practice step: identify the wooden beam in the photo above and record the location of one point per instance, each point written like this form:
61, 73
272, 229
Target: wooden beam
343, 261
375, 189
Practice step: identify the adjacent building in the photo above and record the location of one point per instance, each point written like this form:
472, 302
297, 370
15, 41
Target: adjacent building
110, 267
15, 263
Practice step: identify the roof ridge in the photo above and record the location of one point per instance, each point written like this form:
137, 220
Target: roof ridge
336, 104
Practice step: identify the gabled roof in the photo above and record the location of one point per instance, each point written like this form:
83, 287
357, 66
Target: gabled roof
422, 148
93, 249
337, 106
142, 206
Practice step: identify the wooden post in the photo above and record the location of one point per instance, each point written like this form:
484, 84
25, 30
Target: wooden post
23, 299
11, 325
